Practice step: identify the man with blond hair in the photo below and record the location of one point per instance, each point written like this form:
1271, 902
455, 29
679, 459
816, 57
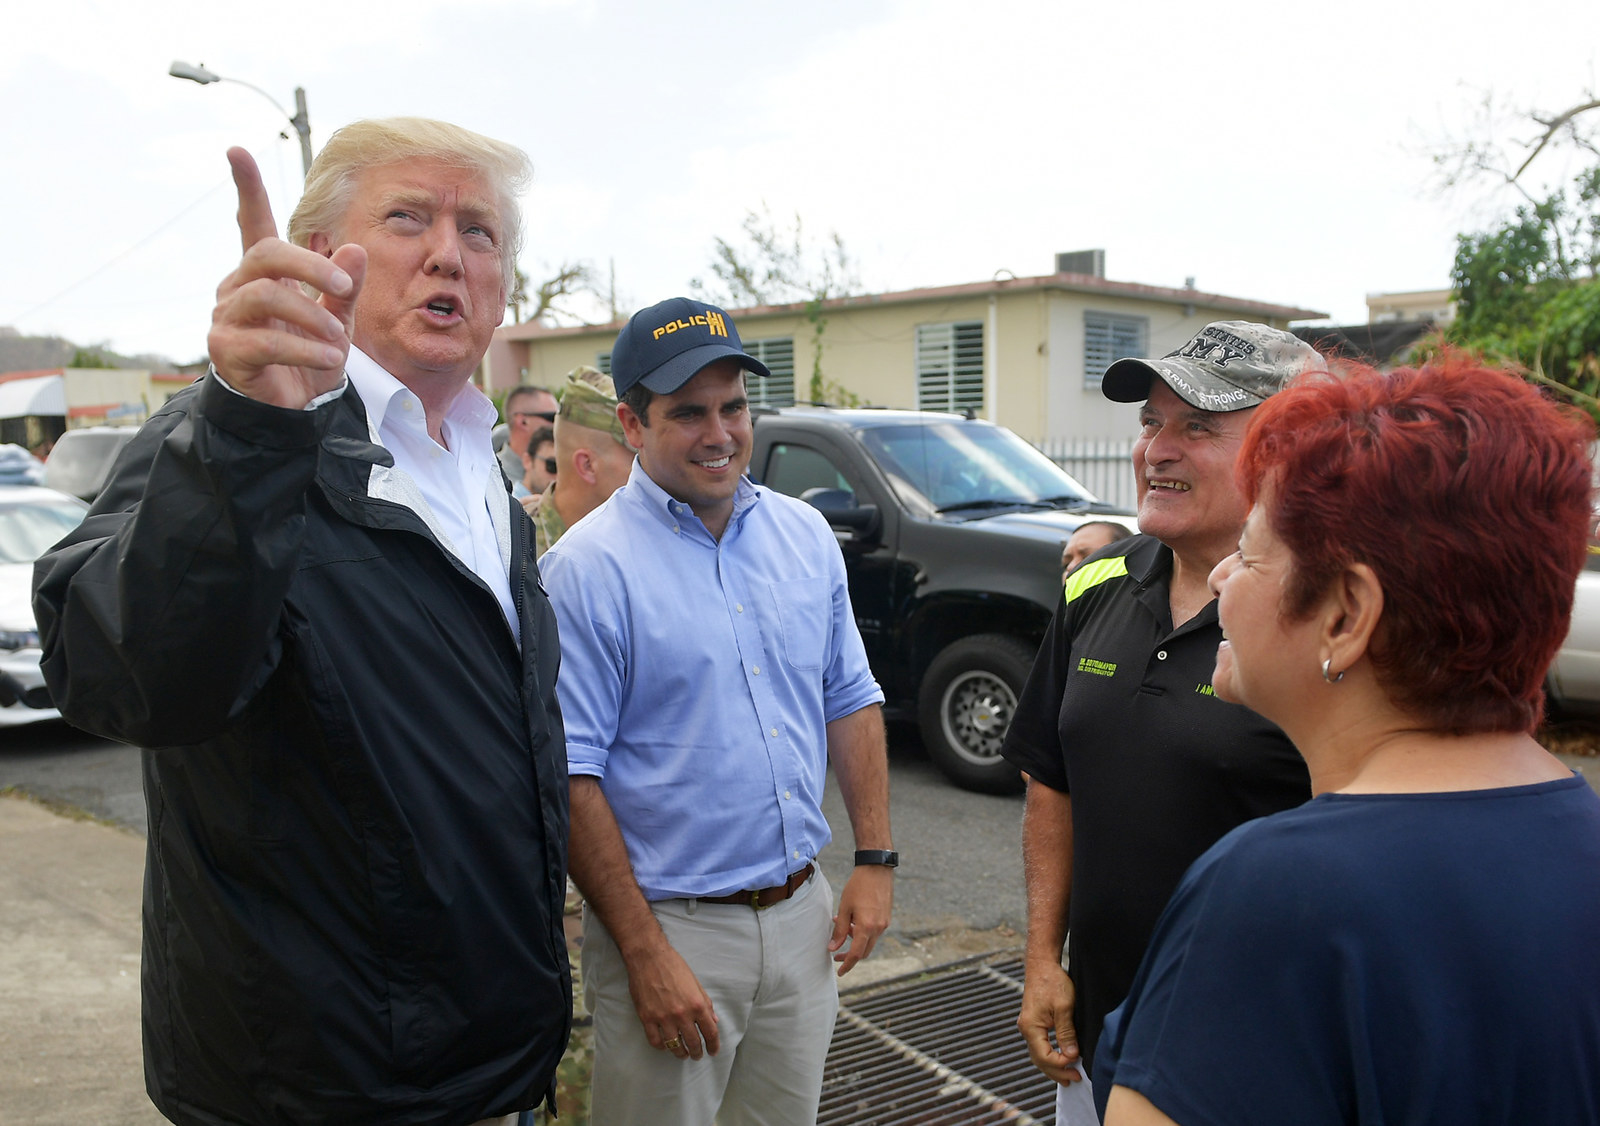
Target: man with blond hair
307, 593
593, 457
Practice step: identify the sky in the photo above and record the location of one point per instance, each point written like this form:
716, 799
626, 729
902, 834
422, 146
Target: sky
1274, 152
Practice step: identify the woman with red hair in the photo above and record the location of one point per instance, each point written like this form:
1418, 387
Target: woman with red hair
1420, 942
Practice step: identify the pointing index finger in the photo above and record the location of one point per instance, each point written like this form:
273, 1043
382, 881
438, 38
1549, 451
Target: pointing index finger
255, 211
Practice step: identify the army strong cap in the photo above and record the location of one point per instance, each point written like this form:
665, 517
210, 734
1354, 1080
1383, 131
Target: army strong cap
1228, 366
665, 345
589, 399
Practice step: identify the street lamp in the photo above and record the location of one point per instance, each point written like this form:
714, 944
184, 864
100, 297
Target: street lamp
300, 119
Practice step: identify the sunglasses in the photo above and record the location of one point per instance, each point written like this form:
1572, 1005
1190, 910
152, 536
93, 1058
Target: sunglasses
548, 416
550, 466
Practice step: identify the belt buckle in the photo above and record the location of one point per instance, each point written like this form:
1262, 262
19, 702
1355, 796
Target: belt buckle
755, 901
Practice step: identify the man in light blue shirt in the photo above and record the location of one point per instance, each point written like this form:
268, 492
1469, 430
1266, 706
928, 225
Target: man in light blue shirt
711, 671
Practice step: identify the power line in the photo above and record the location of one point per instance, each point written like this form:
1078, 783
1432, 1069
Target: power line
98, 270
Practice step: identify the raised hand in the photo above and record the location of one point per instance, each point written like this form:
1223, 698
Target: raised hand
269, 338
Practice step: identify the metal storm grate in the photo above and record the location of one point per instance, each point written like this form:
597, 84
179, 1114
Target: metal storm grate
938, 1050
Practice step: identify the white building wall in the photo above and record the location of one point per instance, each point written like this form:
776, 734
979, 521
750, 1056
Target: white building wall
1074, 410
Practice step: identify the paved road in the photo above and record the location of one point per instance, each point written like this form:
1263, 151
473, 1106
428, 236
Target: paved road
69, 937
62, 764
960, 853
961, 861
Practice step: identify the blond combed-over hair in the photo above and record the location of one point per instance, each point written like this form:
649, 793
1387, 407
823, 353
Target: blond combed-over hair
331, 183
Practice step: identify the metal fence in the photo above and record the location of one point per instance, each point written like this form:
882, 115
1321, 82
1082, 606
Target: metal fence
1104, 465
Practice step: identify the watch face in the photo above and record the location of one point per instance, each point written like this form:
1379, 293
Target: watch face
877, 856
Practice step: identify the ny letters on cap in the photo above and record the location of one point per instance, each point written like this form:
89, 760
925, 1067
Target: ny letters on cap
1227, 366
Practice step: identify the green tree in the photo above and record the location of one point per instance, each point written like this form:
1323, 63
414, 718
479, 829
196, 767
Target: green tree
776, 264
92, 357
1528, 290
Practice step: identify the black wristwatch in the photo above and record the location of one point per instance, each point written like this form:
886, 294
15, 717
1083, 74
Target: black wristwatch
877, 856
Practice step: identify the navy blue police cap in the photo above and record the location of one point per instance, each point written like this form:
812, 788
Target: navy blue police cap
664, 346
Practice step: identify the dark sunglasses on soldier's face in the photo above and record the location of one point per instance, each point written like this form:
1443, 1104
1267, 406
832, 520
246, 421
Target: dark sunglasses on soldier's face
548, 416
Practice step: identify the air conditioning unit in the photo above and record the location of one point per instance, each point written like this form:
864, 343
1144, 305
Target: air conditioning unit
1091, 262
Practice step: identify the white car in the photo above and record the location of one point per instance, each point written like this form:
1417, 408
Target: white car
32, 519
81, 460
1573, 684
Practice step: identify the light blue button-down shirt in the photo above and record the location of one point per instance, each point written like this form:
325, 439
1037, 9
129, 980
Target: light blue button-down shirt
698, 676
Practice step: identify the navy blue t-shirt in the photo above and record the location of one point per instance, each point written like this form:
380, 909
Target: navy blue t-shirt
1392, 958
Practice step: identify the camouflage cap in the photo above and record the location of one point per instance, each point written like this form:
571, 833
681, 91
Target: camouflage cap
1227, 366
589, 399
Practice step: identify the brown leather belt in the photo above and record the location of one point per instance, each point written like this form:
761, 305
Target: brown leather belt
762, 898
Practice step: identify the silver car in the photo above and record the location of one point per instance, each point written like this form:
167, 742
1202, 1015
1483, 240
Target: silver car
32, 519
81, 460
1573, 685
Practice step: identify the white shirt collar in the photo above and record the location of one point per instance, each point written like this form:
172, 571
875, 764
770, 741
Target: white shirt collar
470, 411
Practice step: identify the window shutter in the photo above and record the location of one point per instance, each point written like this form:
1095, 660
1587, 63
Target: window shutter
950, 366
777, 390
1107, 338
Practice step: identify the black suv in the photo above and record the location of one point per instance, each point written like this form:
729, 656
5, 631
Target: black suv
952, 531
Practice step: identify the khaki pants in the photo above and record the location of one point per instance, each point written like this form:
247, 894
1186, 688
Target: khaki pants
771, 982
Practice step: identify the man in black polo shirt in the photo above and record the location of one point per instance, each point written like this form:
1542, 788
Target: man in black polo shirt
1135, 768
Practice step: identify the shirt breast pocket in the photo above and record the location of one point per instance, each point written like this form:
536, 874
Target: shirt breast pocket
805, 617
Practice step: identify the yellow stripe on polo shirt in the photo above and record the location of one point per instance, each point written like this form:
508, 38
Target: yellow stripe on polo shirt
1091, 575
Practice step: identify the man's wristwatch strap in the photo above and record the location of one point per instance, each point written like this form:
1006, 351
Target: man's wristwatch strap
877, 856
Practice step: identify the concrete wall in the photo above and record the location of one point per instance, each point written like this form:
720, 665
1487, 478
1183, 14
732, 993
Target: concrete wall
1033, 351
1074, 409
548, 363
106, 396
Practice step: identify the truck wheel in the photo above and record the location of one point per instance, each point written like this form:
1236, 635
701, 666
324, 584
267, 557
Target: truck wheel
968, 697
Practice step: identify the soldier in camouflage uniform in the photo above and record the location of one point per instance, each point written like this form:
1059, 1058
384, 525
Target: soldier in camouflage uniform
592, 454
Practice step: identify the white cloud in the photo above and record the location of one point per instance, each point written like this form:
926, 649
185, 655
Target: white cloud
1269, 151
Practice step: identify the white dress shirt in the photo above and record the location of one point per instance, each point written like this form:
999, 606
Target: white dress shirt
462, 496
458, 492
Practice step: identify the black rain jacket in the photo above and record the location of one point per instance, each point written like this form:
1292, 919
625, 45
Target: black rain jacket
356, 780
